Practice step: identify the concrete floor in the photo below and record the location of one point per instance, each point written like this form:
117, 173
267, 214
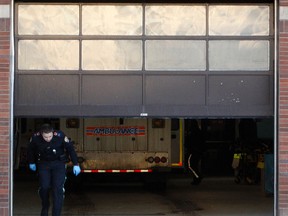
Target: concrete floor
214, 196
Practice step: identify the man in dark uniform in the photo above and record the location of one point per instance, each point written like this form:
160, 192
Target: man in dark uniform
47, 153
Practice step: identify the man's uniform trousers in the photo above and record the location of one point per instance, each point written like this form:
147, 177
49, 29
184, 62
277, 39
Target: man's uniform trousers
51, 177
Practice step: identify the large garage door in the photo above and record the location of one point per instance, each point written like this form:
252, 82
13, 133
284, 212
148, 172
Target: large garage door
206, 60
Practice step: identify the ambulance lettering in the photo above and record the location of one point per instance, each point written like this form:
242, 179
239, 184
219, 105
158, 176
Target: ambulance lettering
116, 131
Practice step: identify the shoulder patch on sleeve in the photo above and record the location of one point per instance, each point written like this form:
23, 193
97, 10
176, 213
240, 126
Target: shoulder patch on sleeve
36, 134
58, 134
66, 139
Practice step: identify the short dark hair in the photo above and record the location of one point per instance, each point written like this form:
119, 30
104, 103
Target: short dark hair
46, 128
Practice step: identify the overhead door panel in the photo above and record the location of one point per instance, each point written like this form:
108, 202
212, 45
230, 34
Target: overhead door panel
175, 90
47, 90
242, 90
134, 59
111, 90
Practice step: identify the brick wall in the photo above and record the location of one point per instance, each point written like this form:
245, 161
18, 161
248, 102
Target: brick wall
283, 110
4, 107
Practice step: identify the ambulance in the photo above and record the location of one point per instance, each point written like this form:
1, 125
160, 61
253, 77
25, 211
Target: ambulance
114, 145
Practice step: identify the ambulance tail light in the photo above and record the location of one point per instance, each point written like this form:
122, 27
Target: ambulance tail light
163, 159
150, 159
157, 159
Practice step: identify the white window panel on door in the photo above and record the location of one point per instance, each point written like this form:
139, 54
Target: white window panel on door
111, 54
112, 20
48, 55
175, 55
48, 19
239, 20
175, 20
239, 55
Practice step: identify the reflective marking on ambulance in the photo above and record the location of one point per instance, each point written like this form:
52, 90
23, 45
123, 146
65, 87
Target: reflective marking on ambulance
117, 171
116, 131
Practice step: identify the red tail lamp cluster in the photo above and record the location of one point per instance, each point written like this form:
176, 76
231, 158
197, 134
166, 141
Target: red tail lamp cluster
157, 159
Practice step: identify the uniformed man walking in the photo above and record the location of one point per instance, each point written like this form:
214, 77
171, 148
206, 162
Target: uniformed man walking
47, 153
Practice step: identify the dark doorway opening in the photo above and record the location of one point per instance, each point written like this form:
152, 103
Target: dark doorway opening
225, 140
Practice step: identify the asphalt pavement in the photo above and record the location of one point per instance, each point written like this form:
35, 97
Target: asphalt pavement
213, 196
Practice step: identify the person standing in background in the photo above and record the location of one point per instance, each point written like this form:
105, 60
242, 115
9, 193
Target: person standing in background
196, 150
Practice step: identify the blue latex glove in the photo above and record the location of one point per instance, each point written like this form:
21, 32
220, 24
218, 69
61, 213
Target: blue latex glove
76, 170
32, 167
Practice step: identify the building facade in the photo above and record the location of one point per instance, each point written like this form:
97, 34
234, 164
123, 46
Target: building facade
273, 73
